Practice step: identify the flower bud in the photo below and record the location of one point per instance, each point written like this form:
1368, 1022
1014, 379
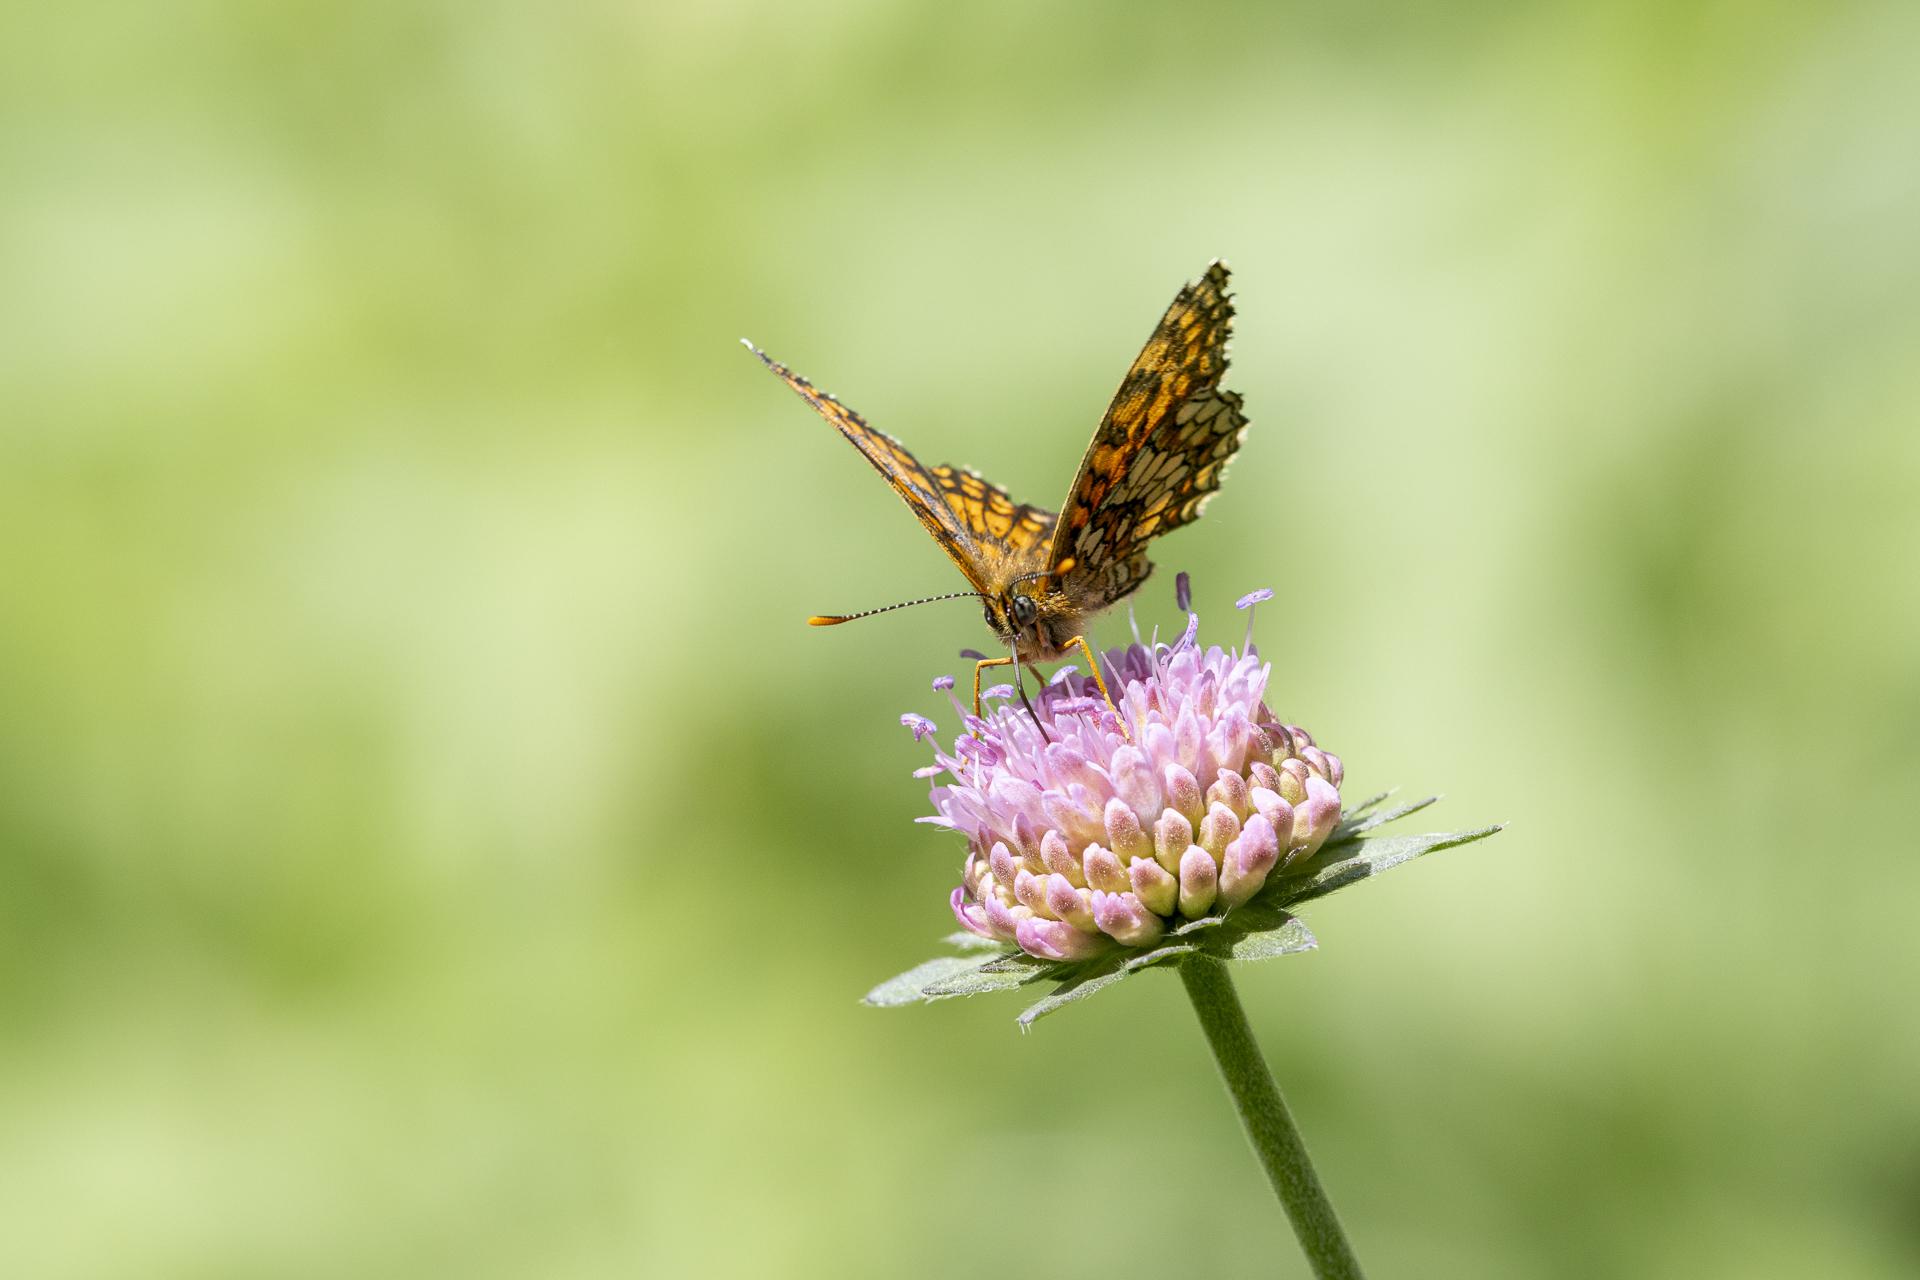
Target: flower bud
1030, 891
1317, 761
1057, 940
1218, 829
1228, 739
1183, 792
971, 915
1105, 871
1293, 780
1055, 855
1122, 918
1190, 741
1154, 885
1171, 836
1023, 837
1073, 811
1199, 882
1231, 790
1075, 906
1159, 745
977, 868
1315, 820
1135, 781
1003, 917
1277, 812
1124, 835
1004, 867
1249, 858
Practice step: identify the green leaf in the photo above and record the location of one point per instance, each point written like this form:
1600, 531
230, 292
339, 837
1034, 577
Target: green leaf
1103, 972
1349, 812
1349, 828
1003, 973
1020, 962
964, 941
906, 988
1161, 955
1267, 934
1357, 860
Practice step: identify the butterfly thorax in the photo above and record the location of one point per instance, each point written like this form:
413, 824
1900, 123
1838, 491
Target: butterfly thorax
1035, 622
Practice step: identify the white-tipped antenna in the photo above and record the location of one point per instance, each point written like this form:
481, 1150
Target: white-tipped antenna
835, 619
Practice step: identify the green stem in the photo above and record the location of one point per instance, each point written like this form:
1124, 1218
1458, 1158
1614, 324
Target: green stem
1264, 1115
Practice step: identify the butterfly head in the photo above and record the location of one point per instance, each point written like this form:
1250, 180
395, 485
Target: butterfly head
1033, 620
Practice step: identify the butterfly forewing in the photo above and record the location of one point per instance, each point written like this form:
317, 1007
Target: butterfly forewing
989, 536
1159, 451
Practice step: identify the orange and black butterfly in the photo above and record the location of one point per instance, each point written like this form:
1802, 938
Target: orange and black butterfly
1154, 461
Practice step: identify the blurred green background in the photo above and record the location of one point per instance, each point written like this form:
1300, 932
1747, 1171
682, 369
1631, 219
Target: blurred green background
430, 843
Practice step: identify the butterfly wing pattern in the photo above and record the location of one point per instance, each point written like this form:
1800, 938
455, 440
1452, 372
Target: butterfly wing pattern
938, 498
1156, 458
1159, 452
1013, 538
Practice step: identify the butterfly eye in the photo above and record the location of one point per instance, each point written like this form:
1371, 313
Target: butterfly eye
1023, 610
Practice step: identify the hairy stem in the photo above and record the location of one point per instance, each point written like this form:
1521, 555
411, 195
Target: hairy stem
1264, 1115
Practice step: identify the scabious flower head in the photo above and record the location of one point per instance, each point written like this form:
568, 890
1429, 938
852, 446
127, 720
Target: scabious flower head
1081, 837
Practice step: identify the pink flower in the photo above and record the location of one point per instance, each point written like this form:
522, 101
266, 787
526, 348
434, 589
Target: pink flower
1080, 838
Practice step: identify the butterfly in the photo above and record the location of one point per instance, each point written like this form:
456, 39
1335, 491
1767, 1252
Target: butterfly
1156, 458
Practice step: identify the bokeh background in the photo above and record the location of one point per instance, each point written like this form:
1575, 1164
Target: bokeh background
431, 845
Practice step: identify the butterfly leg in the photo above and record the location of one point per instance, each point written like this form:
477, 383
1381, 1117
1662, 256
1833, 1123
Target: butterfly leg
1093, 665
1019, 682
982, 665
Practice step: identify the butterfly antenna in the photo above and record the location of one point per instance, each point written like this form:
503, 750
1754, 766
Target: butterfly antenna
835, 619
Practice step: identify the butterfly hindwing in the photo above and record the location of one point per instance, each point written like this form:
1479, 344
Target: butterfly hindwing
1019, 532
